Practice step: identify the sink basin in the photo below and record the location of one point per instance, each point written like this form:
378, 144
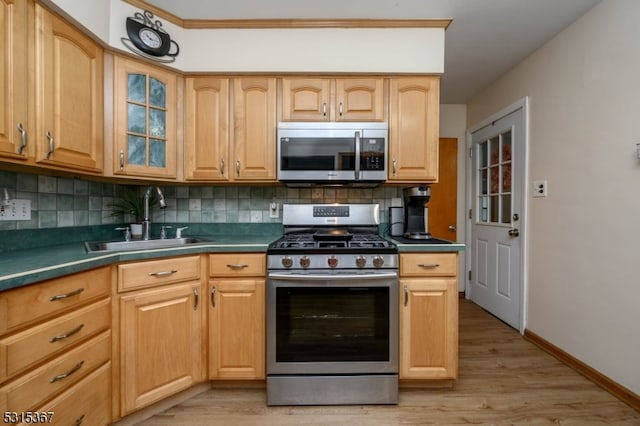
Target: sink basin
93, 246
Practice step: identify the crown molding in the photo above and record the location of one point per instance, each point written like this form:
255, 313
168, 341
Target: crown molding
288, 23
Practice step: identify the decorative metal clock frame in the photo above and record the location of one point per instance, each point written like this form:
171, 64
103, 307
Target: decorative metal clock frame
148, 39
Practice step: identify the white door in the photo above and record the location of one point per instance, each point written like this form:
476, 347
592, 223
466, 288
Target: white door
497, 170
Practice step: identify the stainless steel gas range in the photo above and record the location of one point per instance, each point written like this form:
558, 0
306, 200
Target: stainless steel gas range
332, 308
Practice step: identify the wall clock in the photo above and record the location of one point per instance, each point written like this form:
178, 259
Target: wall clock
147, 38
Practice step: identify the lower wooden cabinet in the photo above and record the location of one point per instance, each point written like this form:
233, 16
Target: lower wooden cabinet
161, 343
237, 329
428, 316
87, 403
237, 316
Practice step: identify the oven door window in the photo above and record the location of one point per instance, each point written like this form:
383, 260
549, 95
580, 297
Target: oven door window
317, 154
332, 324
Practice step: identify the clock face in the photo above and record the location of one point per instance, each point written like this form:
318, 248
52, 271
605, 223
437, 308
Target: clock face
150, 38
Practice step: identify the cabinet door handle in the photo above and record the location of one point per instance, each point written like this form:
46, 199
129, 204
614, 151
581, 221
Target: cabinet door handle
66, 335
77, 367
429, 265
406, 295
79, 420
213, 296
393, 166
52, 145
66, 295
121, 160
23, 138
222, 167
196, 298
324, 110
238, 167
237, 265
163, 273
340, 109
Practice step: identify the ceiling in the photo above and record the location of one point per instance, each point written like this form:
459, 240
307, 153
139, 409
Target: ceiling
485, 39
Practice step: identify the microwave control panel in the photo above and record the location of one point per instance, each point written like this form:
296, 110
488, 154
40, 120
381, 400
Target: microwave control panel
372, 154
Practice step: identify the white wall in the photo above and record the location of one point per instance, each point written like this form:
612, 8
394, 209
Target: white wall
584, 263
453, 122
353, 50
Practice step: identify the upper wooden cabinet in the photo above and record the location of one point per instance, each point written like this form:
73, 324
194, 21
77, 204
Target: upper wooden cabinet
254, 129
413, 129
14, 52
69, 95
230, 127
325, 99
206, 132
145, 115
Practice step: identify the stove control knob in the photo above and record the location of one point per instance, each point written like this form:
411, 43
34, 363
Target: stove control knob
287, 262
361, 261
332, 261
305, 261
378, 261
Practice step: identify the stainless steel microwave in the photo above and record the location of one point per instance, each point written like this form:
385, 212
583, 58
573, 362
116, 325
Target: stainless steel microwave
332, 153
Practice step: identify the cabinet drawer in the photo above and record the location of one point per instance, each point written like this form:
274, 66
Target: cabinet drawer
87, 403
158, 272
237, 265
28, 347
31, 390
428, 264
27, 305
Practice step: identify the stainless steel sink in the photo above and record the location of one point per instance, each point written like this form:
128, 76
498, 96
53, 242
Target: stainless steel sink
93, 246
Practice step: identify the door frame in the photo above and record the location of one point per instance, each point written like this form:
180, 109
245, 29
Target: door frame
523, 104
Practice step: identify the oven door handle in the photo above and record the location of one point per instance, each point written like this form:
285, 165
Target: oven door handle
325, 277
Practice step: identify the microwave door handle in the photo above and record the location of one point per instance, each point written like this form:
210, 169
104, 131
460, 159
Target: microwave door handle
357, 171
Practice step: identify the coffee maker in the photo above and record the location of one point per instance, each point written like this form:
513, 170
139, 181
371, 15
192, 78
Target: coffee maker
416, 218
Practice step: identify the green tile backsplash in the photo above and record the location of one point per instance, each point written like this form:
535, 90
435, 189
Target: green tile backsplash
58, 202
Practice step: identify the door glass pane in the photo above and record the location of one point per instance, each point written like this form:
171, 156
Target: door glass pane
484, 186
506, 209
506, 146
157, 153
506, 177
494, 175
157, 120
157, 93
494, 209
483, 154
137, 150
494, 157
136, 119
137, 88
484, 209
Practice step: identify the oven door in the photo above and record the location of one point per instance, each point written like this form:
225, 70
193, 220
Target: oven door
332, 323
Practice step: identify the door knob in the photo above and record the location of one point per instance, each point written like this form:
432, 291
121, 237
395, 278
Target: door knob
452, 228
514, 232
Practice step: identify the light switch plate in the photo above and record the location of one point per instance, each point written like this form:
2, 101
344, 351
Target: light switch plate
15, 210
540, 188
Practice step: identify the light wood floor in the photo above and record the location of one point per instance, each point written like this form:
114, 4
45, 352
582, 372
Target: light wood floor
503, 380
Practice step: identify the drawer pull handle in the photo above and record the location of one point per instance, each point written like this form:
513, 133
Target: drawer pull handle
66, 295
79, 420
163, 273
66, 335
77, 367
237, 265
429, 265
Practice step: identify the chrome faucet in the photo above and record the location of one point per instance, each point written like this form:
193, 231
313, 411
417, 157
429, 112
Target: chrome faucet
146, 222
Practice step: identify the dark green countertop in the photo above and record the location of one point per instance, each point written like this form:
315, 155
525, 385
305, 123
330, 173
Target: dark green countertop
27, 257
21, 267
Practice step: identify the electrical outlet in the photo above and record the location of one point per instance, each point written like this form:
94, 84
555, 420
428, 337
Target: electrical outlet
15, 210
540, 188
274, 210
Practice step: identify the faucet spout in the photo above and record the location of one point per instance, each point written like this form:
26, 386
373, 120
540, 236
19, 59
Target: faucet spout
146, 222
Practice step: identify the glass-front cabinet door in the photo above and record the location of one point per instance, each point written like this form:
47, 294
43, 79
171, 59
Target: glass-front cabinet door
145, 111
